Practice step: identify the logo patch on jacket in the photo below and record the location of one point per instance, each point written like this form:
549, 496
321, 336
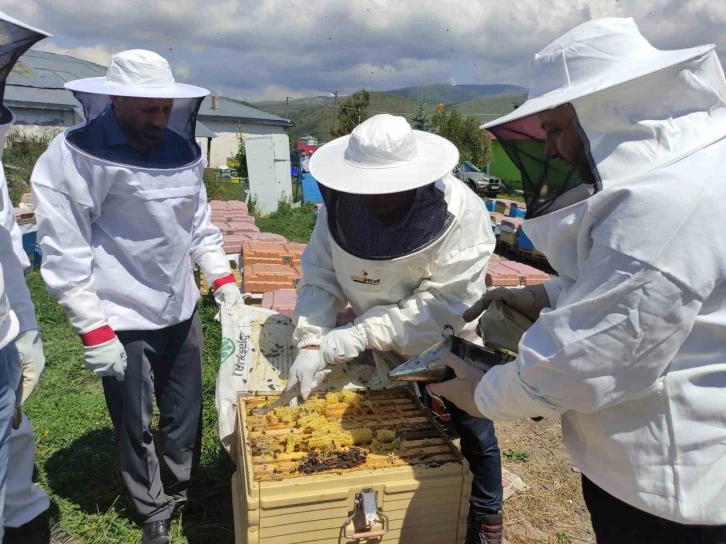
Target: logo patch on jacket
363, 278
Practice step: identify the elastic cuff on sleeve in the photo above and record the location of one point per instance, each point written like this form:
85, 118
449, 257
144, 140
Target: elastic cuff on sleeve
225, 280
98, 336
362, 331
308, 341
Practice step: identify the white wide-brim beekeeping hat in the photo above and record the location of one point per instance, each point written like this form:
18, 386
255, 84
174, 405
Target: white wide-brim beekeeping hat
383, 155
594, 56
137, 73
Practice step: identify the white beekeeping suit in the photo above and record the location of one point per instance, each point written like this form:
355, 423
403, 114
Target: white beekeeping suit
631, 353
23, 500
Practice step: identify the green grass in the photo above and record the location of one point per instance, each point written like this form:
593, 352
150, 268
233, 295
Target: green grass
295, 224
21, 152
516, 455
76, 460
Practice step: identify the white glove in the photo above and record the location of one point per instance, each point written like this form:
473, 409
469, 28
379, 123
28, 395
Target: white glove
308, 370
529, 301
228, 295
30, 348
343, 344
462, 389
107, 359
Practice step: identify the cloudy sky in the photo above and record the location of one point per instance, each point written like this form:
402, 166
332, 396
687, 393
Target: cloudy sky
270, 49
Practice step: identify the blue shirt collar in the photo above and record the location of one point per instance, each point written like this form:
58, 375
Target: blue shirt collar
114, 134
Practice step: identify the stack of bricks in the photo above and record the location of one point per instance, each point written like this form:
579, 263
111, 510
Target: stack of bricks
513, 274
232, 218
283, 302
271, 266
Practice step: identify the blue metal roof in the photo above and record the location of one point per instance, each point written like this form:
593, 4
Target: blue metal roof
38, 78
235, 110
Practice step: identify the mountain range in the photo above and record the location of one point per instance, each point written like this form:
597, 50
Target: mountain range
314, 115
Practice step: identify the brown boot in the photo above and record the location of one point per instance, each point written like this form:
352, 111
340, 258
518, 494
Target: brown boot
485, 529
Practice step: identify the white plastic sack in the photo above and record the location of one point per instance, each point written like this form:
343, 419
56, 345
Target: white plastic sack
255, 358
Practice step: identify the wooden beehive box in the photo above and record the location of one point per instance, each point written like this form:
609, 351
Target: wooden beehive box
421, 481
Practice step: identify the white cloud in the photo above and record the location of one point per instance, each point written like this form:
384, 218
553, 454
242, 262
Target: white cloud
288, 46
97, 53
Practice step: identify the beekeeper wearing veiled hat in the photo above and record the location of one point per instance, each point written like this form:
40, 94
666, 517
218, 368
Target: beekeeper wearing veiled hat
407, 245
630, 346
24, 503
121, 208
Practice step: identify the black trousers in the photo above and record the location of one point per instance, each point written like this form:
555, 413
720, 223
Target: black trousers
480, 448
165, 363
617, 522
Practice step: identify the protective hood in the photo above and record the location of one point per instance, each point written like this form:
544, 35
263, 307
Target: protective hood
640, 134
142, 78
15, 39
636, 108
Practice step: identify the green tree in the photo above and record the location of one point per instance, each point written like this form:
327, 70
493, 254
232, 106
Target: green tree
463, 131
421, 120
241, 157
352, 113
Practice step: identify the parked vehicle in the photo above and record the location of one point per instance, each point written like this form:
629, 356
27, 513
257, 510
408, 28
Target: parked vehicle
478, 181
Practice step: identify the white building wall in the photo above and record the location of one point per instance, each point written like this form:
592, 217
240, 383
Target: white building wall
225, 144
40, 121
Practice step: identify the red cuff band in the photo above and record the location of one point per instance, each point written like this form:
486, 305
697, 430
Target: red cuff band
223, 281
98, 336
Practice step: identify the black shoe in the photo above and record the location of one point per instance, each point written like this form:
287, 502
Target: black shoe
156, 532
485, 529
40, 530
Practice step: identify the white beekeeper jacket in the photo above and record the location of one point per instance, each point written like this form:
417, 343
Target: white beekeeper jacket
632, 354
401, 303
117, 239
12, 257
9, 323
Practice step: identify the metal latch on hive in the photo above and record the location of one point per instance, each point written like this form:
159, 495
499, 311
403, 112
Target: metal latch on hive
366, 515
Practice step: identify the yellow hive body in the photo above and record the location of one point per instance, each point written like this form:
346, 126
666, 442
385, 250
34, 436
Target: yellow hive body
421, 482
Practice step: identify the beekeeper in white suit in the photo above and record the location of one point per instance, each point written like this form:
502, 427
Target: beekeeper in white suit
407, 245
630, 345
24, 503
122, 215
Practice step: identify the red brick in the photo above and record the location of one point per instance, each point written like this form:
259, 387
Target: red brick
239, 227
233, 243
245, 218
282, 301
260, 278
528, 274
268, 237
237, 205
499, 275
496, 217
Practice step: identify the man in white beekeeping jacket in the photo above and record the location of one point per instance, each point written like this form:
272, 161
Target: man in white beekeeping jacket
407, 245
630, 345
122, 213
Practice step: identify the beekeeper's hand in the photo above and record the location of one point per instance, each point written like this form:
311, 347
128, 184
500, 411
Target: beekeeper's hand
228, 295
462, 389
308, 370
30, 348
529, 301
343, 344
105, 359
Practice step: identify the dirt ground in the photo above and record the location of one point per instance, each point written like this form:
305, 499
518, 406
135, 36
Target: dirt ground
552, 510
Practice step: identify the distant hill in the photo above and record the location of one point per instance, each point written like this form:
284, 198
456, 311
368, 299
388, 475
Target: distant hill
447, 94
314, 115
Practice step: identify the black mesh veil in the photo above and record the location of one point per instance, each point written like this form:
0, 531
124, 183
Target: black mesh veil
15, 40
180, 129
544, 180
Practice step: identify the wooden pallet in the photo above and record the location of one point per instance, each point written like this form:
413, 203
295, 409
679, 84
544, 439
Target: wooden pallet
418, 439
